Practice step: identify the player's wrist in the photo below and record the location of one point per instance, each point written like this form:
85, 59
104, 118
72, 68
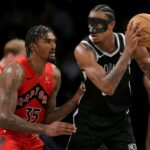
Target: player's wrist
42, 129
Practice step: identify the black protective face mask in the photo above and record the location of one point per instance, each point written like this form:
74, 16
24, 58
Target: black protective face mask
97, 25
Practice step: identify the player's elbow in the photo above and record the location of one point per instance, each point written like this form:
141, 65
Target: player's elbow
108, 90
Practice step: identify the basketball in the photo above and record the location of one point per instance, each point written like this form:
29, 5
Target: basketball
142, 19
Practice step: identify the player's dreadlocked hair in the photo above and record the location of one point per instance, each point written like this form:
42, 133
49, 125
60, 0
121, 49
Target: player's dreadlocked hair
34, 34
106, 9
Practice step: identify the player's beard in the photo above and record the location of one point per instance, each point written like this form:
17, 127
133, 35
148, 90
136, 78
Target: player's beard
52, 60
51, 56
96, 42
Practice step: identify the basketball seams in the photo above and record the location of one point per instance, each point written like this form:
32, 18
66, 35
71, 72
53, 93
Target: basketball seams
141, 16
143, 19
145, 31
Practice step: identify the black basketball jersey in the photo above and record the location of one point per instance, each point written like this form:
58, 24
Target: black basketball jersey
95, 100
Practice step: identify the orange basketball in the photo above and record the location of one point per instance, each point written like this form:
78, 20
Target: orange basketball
143, 19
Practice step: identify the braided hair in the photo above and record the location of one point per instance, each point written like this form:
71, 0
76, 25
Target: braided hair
34, 34
109, 12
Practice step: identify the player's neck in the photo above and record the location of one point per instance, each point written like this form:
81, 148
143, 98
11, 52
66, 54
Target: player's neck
37, 65
108, 44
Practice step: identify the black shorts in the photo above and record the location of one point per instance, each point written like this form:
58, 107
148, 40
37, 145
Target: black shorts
93, 130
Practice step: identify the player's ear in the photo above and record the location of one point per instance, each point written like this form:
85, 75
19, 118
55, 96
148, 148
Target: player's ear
33, 47
112, 24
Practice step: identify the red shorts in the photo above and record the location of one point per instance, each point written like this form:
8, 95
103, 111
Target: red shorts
16, 141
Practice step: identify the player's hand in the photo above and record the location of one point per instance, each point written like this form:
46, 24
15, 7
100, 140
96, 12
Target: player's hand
81, 90
60, 128
132, 36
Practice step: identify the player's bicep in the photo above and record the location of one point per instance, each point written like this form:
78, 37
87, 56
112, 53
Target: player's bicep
53, 95
10, 80
86, 59
142, 57
83, 56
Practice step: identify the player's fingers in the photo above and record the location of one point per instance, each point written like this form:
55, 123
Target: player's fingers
67, 127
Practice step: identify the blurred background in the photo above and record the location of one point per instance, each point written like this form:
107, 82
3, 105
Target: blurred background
68, 18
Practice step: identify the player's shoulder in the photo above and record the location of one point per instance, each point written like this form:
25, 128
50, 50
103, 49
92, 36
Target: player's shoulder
82, 50
56, 71
14, 66
13, 71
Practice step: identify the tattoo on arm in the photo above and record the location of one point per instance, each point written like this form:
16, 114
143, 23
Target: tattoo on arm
10, 80
118, 71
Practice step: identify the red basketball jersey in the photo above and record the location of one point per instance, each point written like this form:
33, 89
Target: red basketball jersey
34, 92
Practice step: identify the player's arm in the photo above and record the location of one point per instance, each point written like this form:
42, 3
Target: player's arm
142, 57
107, 83
10, 80
54, 113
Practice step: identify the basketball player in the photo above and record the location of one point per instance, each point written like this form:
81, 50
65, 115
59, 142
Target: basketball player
28, 92
13, 48
103, 112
